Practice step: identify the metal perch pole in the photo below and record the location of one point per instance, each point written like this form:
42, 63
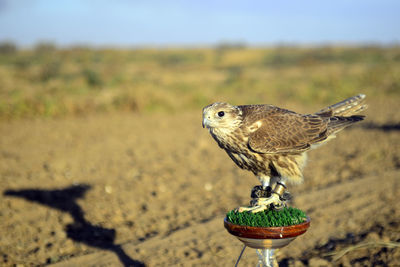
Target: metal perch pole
240, 256
266, 258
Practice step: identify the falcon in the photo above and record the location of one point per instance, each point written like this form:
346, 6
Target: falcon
272, 142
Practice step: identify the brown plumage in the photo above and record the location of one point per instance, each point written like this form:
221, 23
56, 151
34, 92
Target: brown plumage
271, 141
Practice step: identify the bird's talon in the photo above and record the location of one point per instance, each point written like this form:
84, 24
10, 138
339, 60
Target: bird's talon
286, 196
261, 204
278, 206
259, 192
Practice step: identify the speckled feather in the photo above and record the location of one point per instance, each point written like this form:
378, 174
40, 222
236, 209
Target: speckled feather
271, 141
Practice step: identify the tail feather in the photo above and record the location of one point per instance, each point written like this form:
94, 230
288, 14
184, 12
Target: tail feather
347, 107
337, 123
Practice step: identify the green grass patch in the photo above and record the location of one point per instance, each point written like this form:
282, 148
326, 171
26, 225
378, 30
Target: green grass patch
268, 218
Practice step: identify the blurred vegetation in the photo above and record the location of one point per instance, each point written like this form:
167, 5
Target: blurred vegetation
50, 82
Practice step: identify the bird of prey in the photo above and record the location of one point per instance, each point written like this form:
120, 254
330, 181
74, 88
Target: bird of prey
272, 142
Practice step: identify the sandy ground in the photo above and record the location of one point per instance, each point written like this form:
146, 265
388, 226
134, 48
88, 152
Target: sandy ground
152, 190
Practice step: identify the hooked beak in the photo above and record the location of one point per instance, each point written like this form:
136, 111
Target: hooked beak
206, 122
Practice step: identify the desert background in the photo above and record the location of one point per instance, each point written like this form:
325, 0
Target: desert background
104, 161
103, 158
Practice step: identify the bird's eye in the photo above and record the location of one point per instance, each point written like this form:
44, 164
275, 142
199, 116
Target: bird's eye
221, 114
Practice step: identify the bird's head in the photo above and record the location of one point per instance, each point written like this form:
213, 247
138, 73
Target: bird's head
221, 116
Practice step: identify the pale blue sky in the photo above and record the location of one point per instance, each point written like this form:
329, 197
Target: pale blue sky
196, 23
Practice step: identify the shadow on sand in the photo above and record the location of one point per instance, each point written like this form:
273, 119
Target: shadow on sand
387, 127
80, 230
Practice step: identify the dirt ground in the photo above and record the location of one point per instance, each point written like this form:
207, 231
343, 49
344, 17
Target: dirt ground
126, 189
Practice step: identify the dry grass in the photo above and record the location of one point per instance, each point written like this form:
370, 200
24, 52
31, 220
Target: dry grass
49, 82
338, 254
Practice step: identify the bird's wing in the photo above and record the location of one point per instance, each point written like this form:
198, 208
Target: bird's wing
284, 131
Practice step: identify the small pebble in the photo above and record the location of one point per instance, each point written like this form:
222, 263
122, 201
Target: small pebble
208, 187
108, 189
